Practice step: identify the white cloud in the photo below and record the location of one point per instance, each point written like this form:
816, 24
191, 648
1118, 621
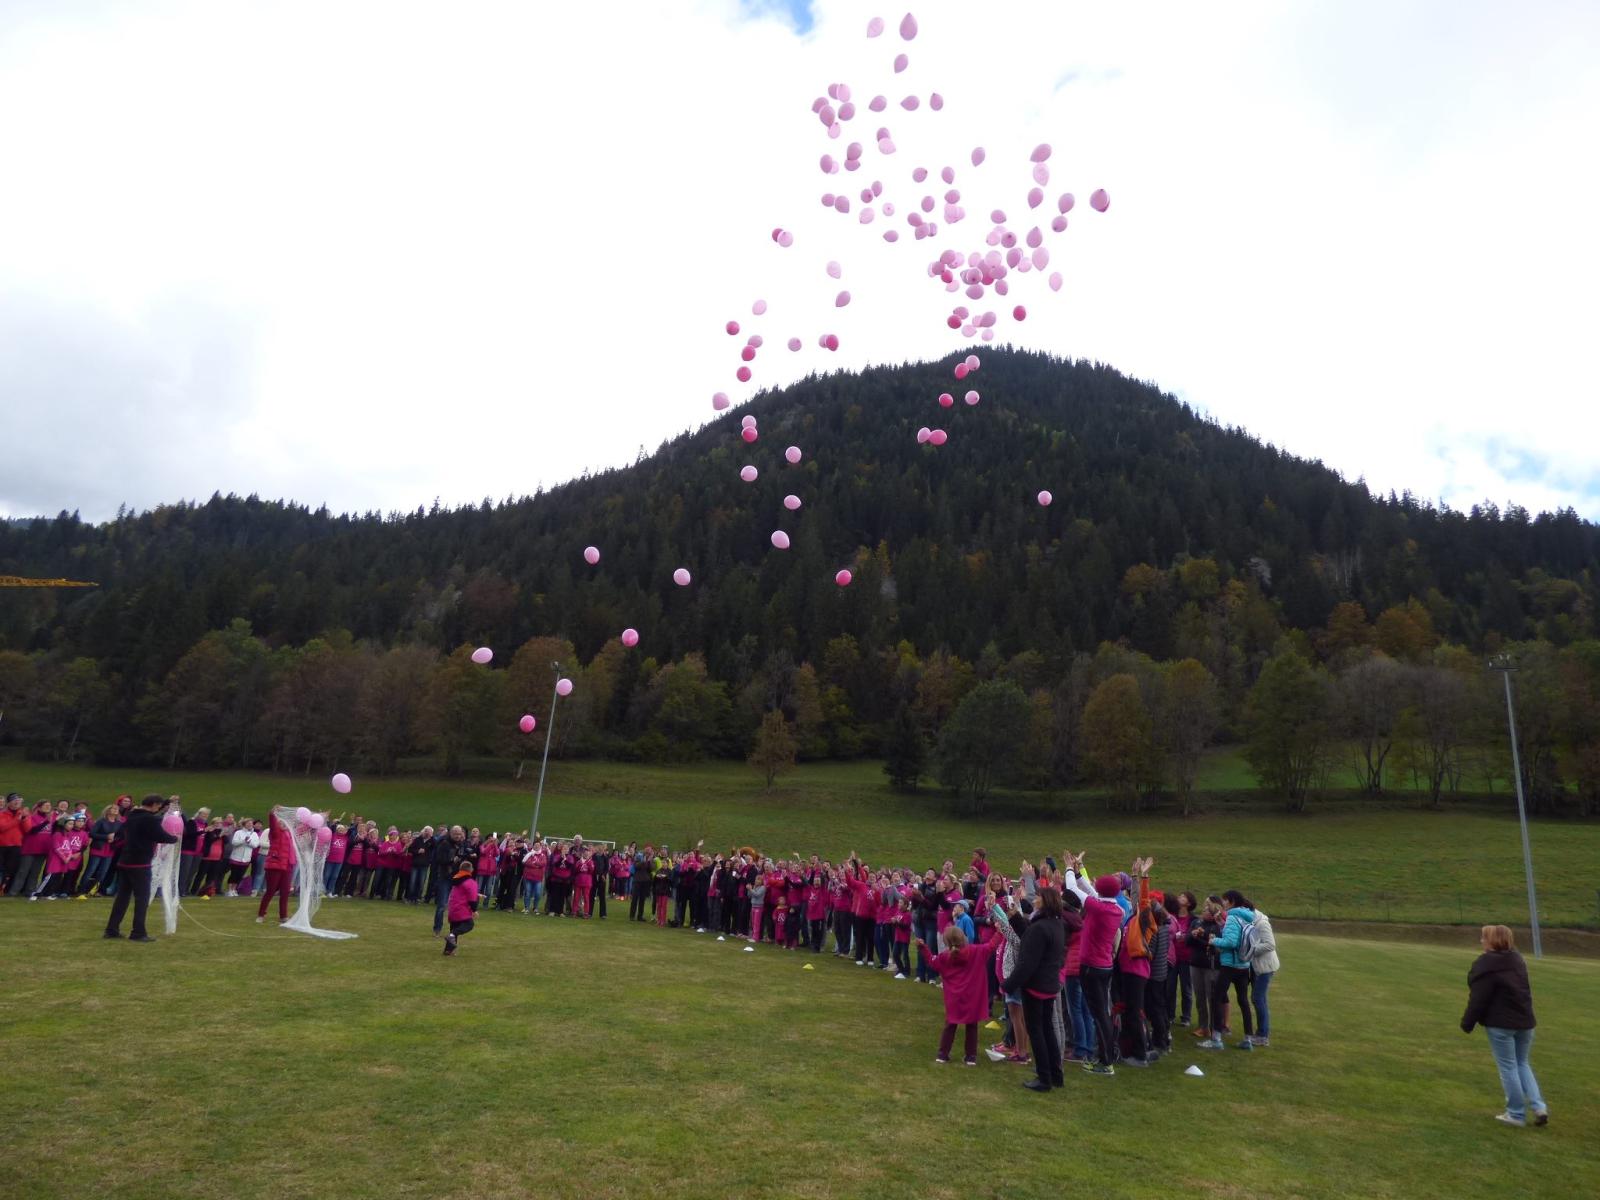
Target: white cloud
460, 251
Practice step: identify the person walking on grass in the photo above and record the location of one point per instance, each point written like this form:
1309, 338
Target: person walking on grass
141, 835
1501, 1000
281, 860
463, 904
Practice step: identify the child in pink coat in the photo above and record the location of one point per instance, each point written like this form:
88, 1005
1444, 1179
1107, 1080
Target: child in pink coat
463, 904
966, 990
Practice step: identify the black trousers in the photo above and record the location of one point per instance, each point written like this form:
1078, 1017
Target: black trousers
10, 859
1239, 977
639, 902
1158, 1008
600, 897
1039, 1015
817, 935
1133, 1014
133, 883
714, 917
1097, 994
866, 931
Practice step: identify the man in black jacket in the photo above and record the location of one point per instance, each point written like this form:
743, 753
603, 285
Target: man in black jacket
640, 894
447, 850
602, 878
140, 839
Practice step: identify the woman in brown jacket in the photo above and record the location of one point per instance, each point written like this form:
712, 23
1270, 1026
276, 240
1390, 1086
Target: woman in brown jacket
1502, 1002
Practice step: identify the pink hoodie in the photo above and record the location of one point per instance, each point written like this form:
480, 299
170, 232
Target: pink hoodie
966, 990
1102, 918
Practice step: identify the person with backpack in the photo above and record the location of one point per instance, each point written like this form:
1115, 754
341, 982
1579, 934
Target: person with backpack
1102, 927
1234, 945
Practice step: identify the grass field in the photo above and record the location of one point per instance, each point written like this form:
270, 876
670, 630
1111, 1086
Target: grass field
559, 1058
1345, 861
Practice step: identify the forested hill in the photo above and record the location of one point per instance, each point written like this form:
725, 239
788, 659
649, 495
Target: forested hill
1163, 525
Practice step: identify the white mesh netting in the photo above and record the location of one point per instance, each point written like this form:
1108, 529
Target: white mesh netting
164, 880
311, 856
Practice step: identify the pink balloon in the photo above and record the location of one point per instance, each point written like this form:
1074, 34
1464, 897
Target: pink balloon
528, 723
878, 103
794, 343
918, 175
1058, 224
938, 437
792, 454
742, 374
834, 270
827, 199
891, 235
747, 421
681, 577
874, 27
948, 174
900, 63
923, 434
482, 655
847, 111
630, 637
303, 814
732, 328
936, 102
173, 823
946, 399
961, 370
1019, 313
756, 341
791, 502
971, 398
1041, 174
1099, 201
759, 307
749, 433
842, 299
972, 362
885, 145
842, 578
786, 240
591, 555
1040, 258
747, 473
910, 103
316, 820
324, 835
748, 353
978, 155
830, 341
563, 687
1055, 281
1040, 152
780, 539
908, 27
719, 401
1035, 197
1044, 499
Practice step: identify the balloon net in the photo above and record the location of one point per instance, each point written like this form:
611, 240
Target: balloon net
311, 856
164, 880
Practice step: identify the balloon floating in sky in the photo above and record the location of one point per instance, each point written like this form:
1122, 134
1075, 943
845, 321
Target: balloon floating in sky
563, 687
792, 454
842, 578
482, 655
938, 437
794, 343
630, 637
842, 299
591, 555
1040, 152
749, 433
747, 473
528, 723
1019, 313
791, 502
681, 577
719, 401
733, 328
1099, 201
780, 539
946, 399
971, 398
759, 307
747, 421
901, 62
923, 435
908, 27
1044, 499
874, 27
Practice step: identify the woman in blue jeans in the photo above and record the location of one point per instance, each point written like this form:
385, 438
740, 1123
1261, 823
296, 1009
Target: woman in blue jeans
1501, 1001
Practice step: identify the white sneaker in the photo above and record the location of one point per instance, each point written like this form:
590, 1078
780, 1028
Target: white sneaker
1519, 1122
261, 920
900, 975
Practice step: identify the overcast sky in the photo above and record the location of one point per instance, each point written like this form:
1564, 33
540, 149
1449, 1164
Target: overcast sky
371, 252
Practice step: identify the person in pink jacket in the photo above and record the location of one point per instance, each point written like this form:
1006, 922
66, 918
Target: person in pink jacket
966, 990
1102, 925
463, 904
489, 868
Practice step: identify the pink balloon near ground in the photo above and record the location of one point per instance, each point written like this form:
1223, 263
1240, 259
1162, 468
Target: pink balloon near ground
341, 783
791, 502
303, 815
482, 655
842, 578
528, 723
591, 555
747, 473
563, 687
1044, 499
630, 638
792, 454
324, 835
681, 577
1099, 201
780, 540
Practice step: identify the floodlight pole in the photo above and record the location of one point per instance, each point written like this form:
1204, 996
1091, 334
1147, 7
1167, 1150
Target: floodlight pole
1505, 667
549, 729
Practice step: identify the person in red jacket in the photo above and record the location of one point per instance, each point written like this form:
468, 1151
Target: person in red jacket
463, 904
966, 990
14, 823
281, 860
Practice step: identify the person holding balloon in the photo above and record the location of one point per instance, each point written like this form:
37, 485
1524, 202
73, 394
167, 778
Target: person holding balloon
142, 833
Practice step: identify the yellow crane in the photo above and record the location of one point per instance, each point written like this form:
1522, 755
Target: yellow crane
19, 581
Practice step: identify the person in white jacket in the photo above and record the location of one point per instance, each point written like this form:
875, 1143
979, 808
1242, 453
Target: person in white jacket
241, 853
1263, 966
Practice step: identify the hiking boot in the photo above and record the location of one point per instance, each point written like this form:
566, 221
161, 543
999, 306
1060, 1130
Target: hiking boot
1095, 1068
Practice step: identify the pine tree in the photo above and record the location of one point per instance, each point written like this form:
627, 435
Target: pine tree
905, 751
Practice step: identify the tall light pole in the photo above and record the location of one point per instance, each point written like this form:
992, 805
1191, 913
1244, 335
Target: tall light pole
549, 728
1505, 666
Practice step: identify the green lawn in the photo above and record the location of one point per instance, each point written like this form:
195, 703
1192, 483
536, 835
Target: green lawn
1344, 860
555, 1058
